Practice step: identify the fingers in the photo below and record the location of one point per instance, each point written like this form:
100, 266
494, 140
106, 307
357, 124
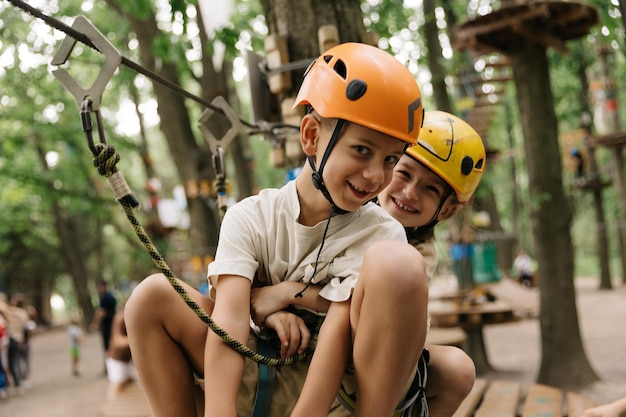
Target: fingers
293, 334
305, 338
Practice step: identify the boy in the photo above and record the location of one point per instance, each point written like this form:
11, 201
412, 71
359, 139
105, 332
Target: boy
315, 231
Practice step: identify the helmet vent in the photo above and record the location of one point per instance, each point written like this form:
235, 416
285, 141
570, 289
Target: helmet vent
340, 69
467, 165
356, 89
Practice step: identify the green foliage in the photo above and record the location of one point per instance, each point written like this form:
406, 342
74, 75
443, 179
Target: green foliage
138, 8
44, 158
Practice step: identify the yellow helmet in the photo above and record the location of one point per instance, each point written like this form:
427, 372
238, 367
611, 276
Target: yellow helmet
365, 85
452, 149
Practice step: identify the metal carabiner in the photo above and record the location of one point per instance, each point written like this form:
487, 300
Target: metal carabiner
85, 118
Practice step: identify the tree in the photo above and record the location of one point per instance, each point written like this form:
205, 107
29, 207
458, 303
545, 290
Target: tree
57, 222
564, 362
192, 156
298, 24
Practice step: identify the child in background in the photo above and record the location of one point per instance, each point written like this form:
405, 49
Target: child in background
434, 180
316, 233
75, 333
119, 363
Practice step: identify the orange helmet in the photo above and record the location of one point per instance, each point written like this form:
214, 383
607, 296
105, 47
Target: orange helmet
367, 86
452, 149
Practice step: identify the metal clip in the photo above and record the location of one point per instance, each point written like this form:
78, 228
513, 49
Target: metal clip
112, 61
219, 146
85, 118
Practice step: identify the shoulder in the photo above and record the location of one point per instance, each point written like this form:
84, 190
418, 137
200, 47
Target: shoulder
372, 212
269, 202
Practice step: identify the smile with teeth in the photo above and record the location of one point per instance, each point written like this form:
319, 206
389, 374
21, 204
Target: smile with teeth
357, 189
403, 207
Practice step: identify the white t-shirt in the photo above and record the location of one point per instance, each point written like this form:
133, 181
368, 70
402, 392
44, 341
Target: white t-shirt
260, 239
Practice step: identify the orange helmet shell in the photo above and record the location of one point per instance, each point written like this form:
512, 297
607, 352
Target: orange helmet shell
365, 85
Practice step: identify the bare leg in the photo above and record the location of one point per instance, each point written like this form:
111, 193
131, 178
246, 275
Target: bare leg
167, 343
451, 376
388, 318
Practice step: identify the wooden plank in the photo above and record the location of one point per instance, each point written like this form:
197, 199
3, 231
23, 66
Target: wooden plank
576, 404
498, 398
467, 407
543, 401
501, 400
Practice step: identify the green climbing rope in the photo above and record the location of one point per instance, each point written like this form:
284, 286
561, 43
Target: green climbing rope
105, 160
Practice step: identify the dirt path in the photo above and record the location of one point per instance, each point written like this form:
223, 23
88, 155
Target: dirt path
55, 391
514, 351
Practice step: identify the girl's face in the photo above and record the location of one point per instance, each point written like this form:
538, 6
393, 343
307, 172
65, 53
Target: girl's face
414, 194
360, 165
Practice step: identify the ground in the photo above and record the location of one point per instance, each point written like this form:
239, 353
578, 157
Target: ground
514, 351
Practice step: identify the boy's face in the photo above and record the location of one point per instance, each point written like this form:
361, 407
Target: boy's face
414, 194
360, 165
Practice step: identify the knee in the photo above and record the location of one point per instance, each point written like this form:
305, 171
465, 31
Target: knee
395, 267
459, 372
146, 299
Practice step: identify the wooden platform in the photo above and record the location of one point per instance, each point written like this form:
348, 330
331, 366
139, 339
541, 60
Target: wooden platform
511, 399
525, 301
487, 399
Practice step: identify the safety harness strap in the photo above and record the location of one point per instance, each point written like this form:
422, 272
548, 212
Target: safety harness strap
267, 377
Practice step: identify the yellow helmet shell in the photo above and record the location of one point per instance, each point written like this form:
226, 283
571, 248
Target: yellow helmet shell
365, 85
452, 149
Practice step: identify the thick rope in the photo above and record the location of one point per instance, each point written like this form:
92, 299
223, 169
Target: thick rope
105, 161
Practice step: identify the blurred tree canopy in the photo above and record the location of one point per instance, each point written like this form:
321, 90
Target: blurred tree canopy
47, 183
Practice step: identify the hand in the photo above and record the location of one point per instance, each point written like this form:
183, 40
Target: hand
614, 409
293, 334
267, 300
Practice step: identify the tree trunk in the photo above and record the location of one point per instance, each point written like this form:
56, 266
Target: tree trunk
191, 160
435, 58
593, 175
72, 252
563, 361
299, 22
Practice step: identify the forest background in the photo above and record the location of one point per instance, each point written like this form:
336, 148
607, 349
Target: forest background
61, 229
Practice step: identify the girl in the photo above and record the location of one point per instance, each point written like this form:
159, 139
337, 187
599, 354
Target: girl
432, 182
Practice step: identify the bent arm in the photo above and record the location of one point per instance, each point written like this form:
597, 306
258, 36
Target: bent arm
223, 365
273, 298
328, 364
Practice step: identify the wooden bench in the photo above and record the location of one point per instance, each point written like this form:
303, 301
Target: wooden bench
508, 399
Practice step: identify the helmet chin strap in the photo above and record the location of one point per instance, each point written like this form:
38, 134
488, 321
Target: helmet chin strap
434, 219
317, 176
